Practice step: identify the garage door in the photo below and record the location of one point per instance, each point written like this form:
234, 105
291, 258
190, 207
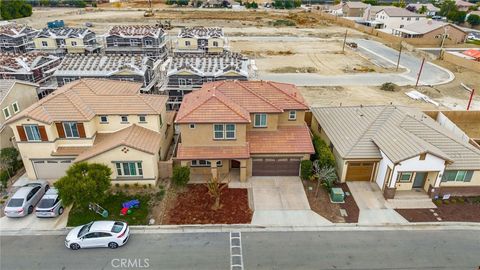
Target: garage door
275, 166
359, 171
51, 169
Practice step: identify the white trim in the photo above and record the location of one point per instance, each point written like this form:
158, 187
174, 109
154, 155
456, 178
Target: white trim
6, 109
13, 107
255, 120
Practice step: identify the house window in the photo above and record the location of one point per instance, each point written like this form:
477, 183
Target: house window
15, 107
457, 176
124, 119
204, 163
32, 132
215, 44
44, 44
149, 43
103, 119
161, 120
224, 131
187, 43
260, 120
405, 177
74, 43
134, 42
115, 42
129, 168
182, 82
401, 26
192, 126
417, 19
71, 130
292, 115
142, 119
409, 19
6, 112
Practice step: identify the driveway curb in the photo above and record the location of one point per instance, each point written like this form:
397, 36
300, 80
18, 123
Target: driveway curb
210, 228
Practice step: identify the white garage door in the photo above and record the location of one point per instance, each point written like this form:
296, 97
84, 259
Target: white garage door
51, 169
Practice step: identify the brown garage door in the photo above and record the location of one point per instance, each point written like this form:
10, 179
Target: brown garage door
275, 166
359, 171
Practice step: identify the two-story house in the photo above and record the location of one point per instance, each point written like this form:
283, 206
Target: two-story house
201, 40
59, 41
147, 40
188, 72
241, 129
14, 97
32, 67
394, 17
16, 38
400, 149
135, 68
101, 121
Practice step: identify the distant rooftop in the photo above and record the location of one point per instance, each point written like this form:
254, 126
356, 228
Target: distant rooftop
23, 61
100, 65
209, 65
14, 30
64, 32
423, 27
401, 12
136, 31
201, 32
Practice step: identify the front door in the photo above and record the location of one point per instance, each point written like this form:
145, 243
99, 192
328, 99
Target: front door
419, 180
235, 163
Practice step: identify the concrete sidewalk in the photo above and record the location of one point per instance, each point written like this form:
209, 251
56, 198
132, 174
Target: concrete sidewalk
281, 201
373, 207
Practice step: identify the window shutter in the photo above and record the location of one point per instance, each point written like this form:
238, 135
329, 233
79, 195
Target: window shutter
60, 130
21, 133
468, 177
81, 130
43, 133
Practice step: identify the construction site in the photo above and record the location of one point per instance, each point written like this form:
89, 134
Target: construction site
287, 43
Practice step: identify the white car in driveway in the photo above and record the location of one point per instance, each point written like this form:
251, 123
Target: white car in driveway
25, 198
110, 234
50, 205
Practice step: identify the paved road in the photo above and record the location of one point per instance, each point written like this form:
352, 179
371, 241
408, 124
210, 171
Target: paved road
383, 56
274, 250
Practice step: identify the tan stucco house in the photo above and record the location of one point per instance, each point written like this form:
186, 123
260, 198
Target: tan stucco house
399, 148
63, 40
439, 32
241, 129
201, 40
102, 121
14, 97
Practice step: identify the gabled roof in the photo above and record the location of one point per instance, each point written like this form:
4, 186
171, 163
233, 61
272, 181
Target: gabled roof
423, 27
399, 132
233, 101
461, 3
16, 30
24, 62
134, 136
201, 32
400, 12
7, 85
81, 100
356, 5
428, 6
64, 32
138, 31
286, 139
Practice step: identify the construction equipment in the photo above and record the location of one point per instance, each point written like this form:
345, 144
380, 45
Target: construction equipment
167, 25
149, 11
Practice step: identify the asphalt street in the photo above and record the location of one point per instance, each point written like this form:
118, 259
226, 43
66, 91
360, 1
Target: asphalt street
372, 250
379, 54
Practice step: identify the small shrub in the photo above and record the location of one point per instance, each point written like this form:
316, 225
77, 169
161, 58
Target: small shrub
460, 200
144, 186
181, 175
446, 202
437, 202
126, 185
283, 23
476, 199
322, 153
136, 184
149, 185
453, 200
388, 86
4, 178
117, 185
306, 169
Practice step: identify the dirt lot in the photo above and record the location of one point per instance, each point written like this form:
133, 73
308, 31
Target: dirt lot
454, 209
193, 205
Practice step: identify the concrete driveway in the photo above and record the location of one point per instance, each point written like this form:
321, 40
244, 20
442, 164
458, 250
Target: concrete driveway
32, 223
281, 201
374, 209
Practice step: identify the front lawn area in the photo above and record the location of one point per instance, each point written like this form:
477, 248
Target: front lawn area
193, 205
454, 209
113, 204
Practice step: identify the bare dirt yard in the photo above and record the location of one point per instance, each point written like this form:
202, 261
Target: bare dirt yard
453, 209
193, 205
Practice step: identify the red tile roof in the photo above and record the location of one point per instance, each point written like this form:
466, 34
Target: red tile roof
285, 140
233, 101
212, 152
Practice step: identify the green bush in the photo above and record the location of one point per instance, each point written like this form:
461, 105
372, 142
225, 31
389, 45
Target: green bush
388, 86
4, 178
283, 23
322, 153
306, 169
181, 175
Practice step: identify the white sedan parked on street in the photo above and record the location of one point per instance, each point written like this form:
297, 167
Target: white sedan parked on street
110, 234
25, 198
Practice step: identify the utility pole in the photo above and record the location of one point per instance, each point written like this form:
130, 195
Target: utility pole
472, 92
344, 41
420, 72
399, 55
